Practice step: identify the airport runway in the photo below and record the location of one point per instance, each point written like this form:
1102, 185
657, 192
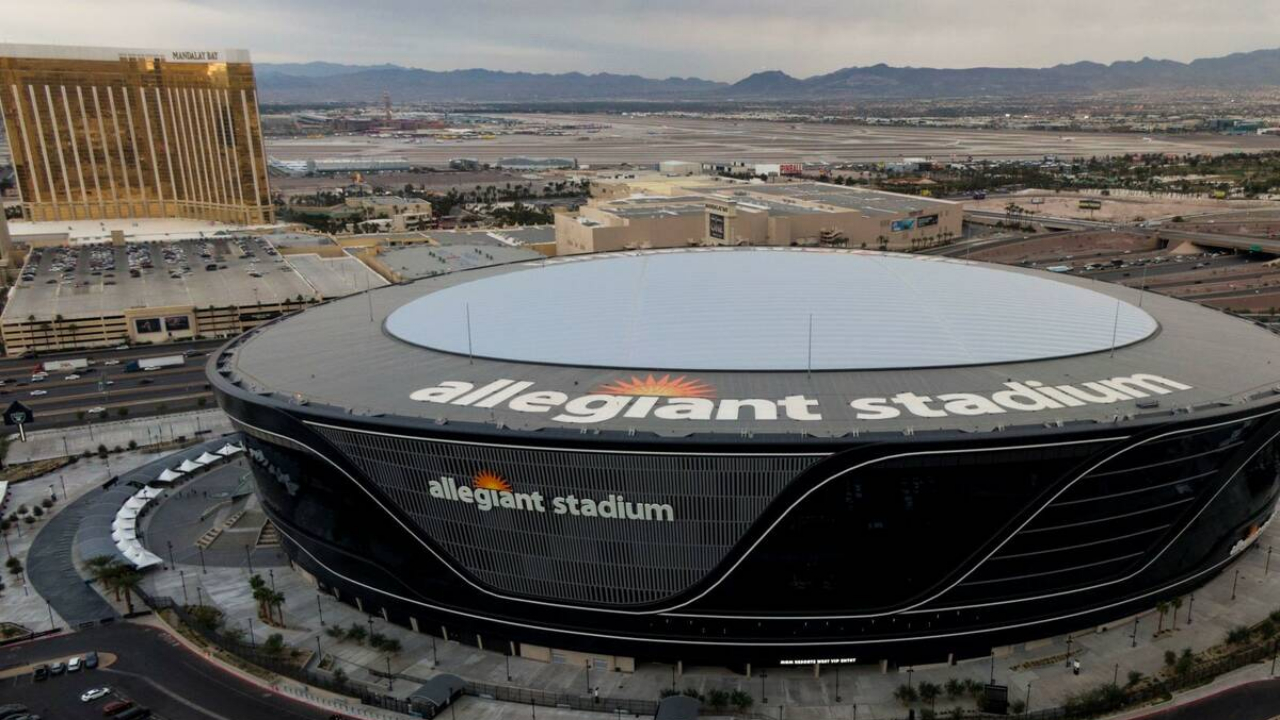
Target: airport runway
646, 140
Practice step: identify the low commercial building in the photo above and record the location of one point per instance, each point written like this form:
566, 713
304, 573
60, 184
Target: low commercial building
397, 213
801, 214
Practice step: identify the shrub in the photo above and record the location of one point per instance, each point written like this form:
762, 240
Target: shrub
718, 699
1017, 706
905, 694
693, 693
133, 444
1170, 657
335, 632
46, 503
954, 688
668, 692
391, 646
37, 511
357, 634
1101, 699
1185, 663
1135, 677
274, 644
1267, 628
206, 617
28, 519
1238, 635
741, 700
102, 449
339, 676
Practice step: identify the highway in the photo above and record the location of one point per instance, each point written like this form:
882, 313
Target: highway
151, 668
58, 401
1166, 231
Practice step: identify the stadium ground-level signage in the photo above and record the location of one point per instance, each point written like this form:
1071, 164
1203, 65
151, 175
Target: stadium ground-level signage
683, 399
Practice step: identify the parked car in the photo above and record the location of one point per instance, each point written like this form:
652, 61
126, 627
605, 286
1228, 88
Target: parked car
110, 362
41, 672
94, 694
72, 376
91, 660
39, 392
57, 668
117, 707
75, 664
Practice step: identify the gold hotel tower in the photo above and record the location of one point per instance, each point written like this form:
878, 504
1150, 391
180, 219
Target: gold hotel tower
99, 133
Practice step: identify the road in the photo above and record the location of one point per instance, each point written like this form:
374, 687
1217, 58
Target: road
59, 401
152, 669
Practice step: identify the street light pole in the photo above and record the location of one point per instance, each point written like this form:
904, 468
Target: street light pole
837, 682
1134, 636
272, 573
320, 609
1190, 606
1069, 638
910, 671
252, 644
993, 667
203, 569
434, 662
50, 609
172, 564
1235, 582
508, 658
390, 679
1026, 706
183, 577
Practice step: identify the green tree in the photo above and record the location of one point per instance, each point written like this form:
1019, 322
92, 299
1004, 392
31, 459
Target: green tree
741, 700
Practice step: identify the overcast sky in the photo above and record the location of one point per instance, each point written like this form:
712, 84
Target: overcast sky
714, 39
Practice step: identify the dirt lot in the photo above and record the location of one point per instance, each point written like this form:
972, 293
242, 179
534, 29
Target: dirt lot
1117, 208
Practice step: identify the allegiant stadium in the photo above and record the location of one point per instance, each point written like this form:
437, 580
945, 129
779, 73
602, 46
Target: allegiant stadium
758, 455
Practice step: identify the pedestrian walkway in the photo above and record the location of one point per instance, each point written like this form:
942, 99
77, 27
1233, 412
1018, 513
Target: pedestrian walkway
44, 547
62, 442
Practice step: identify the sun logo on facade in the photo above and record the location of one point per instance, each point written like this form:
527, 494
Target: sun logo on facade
489, 480
665, 386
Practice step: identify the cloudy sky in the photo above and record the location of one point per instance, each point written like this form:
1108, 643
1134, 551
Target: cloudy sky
715, 39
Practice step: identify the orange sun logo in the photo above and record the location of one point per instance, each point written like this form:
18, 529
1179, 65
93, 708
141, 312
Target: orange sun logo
488, 480
665, 386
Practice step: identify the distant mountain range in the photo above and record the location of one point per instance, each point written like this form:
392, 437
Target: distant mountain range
331, 82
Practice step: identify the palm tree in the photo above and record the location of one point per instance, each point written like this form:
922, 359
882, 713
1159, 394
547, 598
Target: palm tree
277, 599
1162, 608
1177, 603
127, 579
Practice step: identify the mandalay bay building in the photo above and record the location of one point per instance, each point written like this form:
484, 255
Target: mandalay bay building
111, 133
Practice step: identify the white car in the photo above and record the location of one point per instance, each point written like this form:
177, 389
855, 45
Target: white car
74, 664
94, 694
110, 362
96, 410
39, 392
72, 376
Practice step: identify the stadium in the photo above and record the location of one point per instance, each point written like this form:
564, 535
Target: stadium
757, 455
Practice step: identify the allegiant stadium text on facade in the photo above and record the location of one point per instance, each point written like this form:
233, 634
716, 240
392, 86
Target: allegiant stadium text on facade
652, 399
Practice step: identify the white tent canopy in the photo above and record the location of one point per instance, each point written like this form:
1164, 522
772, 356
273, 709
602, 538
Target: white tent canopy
229, 449
149, 493
124, 534
124, 523
126, 513
206, 458
135, 503
188, 466
139, 556
168, 476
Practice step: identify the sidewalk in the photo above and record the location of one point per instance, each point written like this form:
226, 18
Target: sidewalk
61, 442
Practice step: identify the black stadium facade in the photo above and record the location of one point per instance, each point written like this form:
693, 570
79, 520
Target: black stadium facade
758, 455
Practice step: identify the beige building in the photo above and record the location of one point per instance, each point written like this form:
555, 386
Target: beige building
109, 133
802, 213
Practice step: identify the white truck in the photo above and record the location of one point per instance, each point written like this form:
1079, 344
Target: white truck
155, 363
49, 366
